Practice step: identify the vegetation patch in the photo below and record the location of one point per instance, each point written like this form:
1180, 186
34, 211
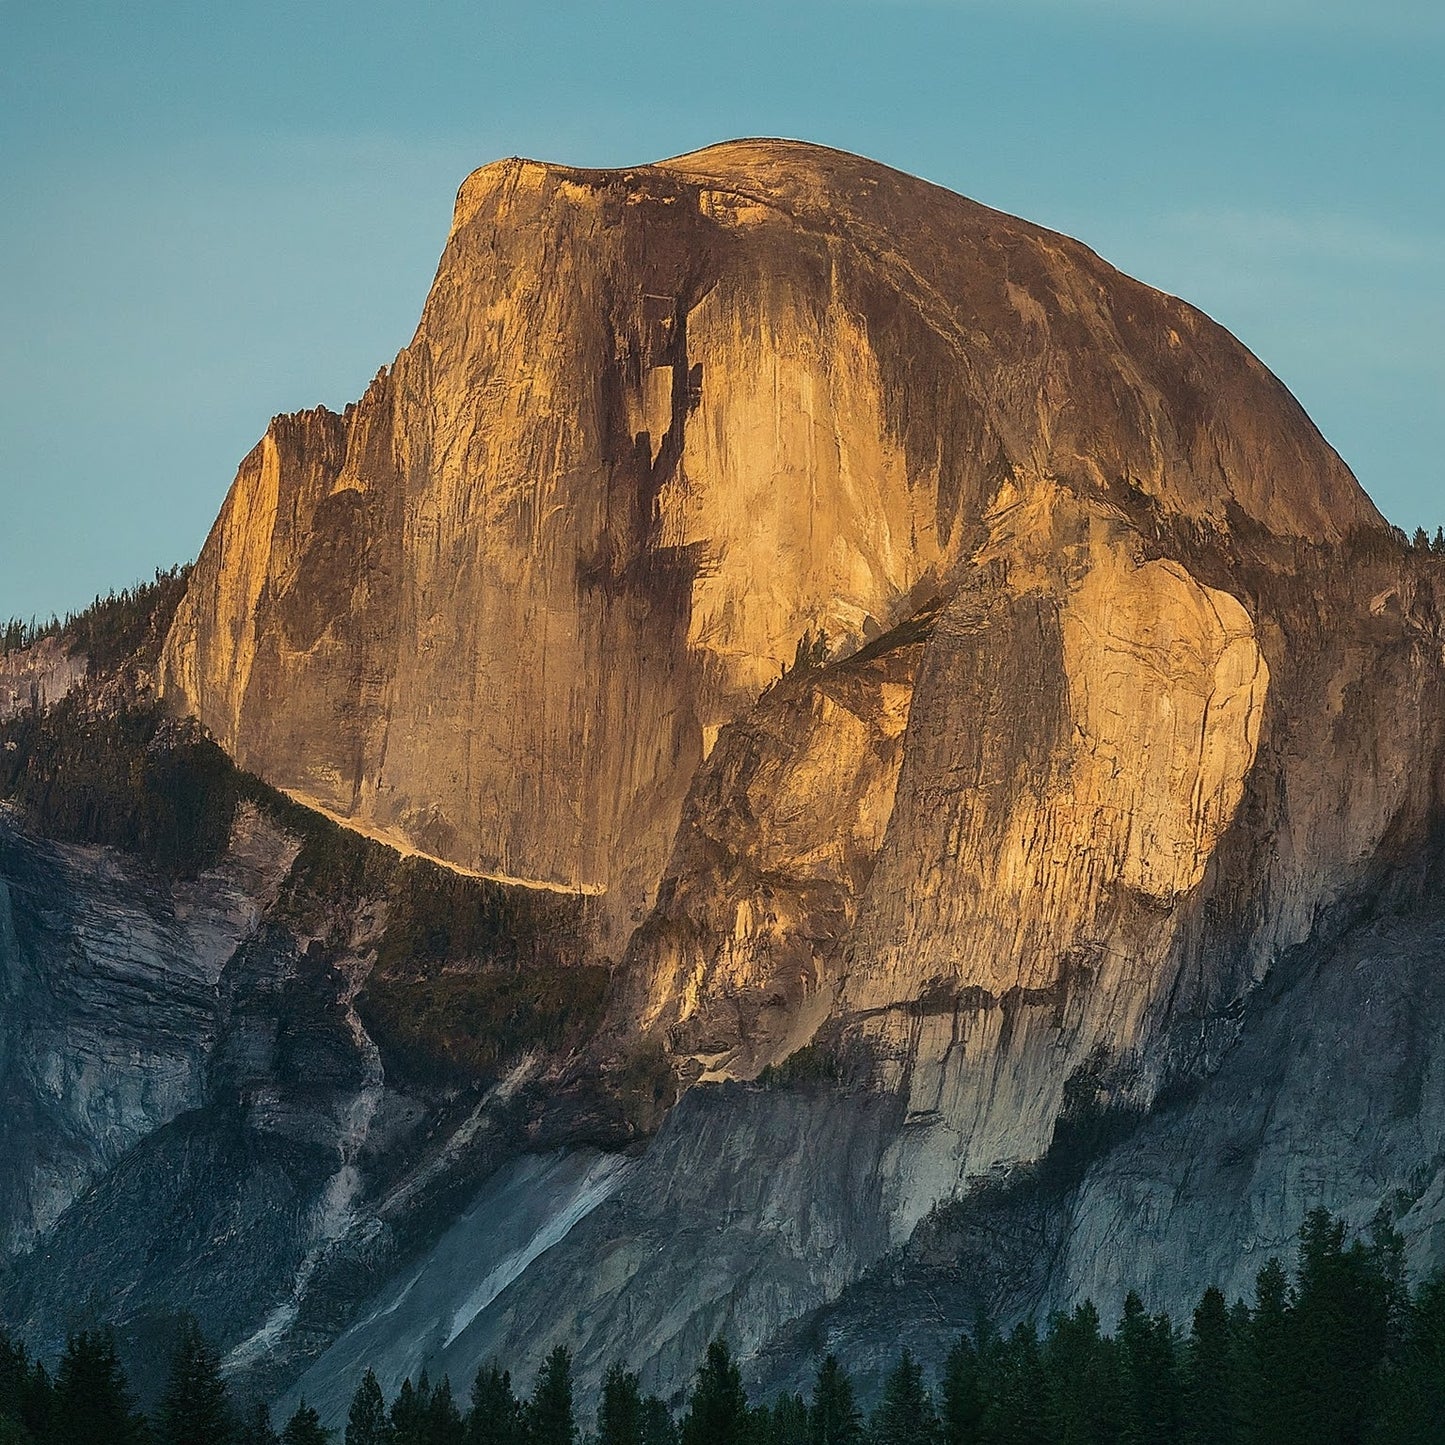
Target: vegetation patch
474, 1023
115, 628
812, 1064
1344, 1354
129, 778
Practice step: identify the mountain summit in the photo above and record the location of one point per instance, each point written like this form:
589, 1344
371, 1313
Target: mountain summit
655, 426
929, 704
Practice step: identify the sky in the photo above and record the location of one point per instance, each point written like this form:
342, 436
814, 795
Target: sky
214, 212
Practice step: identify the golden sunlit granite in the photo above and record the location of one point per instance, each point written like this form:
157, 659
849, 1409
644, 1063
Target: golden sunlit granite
1091, 721
655, 424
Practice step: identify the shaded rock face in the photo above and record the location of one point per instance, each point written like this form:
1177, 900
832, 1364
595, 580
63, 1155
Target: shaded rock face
751, 1208
110, 989
195, 1118
1334, 1094
37, 676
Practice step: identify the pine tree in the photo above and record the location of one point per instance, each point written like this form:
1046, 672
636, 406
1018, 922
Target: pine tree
1341, 1329
1084, 1381
1014, 1389
92, 1401
195, 1409
305, 1428
409, 1412
717, 1413
787, 1422
256, 1428
549, 1419
443, 1420
1150, 1380
1267, 1387
1412, 1396
658, 1427
619, 1414
495, 1417
833, 1415
962, 1415
1438, 545
905, 1414
366, 1422
1210, 1415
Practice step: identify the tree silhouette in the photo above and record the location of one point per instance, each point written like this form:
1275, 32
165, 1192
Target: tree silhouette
833, 1415
195, 1409
92, 1401
905, 1415
717, 1413
549, 1419
366, 1421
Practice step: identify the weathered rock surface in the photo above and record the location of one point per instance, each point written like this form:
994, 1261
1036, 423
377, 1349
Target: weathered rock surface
37, 676
195, 1117
654, 425
108, 1005
915, 639
1333, 1095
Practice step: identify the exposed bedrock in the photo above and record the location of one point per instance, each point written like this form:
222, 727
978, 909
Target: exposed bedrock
912, 638
654, 425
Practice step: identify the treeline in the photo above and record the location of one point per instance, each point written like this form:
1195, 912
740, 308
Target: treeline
470, 974
128, 777
1343, 1354
116, 626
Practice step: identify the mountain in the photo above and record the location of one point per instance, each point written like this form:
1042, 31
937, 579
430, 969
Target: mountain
786, 639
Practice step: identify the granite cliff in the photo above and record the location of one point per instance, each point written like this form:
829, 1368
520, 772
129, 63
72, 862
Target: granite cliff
952, 689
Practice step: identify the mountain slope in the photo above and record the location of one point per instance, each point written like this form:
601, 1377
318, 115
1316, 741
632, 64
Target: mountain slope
948, 685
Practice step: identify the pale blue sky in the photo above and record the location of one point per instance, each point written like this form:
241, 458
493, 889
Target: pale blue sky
217, 211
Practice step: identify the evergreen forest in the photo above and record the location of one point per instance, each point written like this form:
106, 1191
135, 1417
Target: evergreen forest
1341, 1353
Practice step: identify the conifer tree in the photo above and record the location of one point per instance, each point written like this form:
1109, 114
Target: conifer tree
961, 1416
658, 1427
619, 1413
443, 1420
495, 1417
787, 1422
1412, 1396
1209, 1405
1150, 1382
305, 1428
1015, 1389
833, 1415
256, 1427
366, 1421
1267, 1386
905, 1415
195, 1409
1084, 1382
549, 1419
1341, 1326
92, 1401
409, 1411
717, 1413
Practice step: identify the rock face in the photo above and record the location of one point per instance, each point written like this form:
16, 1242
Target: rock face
37, 676
654, 426
195, 1117
916, 640
109, 986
